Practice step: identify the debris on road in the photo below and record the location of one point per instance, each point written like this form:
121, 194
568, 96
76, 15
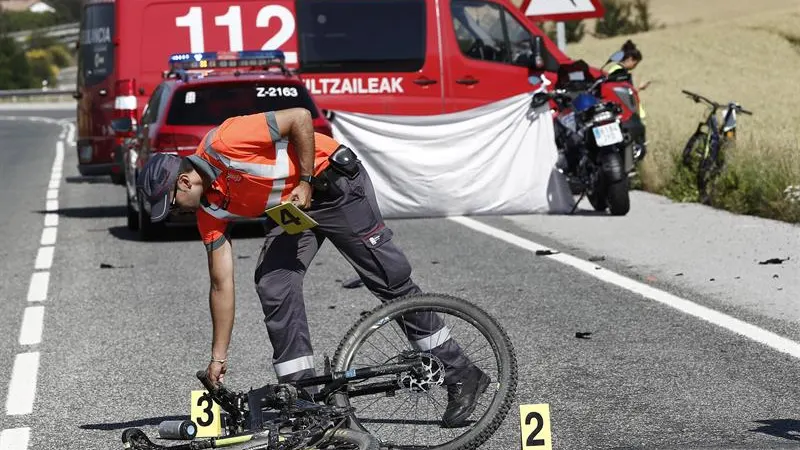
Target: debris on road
545, 252
352, 283
111, 266
243, 257
597, 258
774, 261
583, 335
679, 274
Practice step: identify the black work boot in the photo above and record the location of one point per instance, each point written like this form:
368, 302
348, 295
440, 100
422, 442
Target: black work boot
462, 397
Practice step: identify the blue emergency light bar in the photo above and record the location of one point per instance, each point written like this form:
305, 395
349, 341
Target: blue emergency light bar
220, 60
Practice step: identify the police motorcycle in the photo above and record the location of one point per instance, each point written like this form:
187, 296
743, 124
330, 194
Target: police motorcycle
593, 147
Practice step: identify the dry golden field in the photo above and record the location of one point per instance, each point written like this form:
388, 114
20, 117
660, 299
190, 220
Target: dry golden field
749, 52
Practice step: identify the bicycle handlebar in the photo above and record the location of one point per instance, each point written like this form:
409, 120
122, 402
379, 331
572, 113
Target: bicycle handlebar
697, 98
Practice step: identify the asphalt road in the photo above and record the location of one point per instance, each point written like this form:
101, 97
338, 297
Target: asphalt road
120, 344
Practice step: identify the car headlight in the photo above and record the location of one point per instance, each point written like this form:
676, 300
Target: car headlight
625, 94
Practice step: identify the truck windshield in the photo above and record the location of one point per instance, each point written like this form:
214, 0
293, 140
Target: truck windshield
361, 36
211, 104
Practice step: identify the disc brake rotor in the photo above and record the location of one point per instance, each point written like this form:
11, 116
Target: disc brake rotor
431, 375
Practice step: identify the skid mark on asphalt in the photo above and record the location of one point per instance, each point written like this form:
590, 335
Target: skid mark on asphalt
730, 323
24, 375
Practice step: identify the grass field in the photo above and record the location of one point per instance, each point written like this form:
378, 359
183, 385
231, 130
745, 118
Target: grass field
749, 53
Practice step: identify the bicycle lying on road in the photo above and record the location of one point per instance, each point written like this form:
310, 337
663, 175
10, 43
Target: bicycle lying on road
400, 377
705, 148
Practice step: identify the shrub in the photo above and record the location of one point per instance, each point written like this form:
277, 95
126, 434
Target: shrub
60, 56
15, 72
624, 17
42, 67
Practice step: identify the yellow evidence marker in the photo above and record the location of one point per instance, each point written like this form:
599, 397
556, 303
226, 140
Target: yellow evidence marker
291, 218
535, 427
205, 413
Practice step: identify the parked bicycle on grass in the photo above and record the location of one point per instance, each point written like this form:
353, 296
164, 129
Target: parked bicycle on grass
705, 149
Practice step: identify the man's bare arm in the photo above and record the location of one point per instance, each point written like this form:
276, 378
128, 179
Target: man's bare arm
221, 298
297, 125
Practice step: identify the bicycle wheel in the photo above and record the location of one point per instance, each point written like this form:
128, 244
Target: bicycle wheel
693, 150
710, 167
345, 439
431, 391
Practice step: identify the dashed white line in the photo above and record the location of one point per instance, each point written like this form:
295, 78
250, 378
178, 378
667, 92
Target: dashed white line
22, 388
733, 324
37, 290
22, 385
30, 333
44, 257
49, 236
50, 220
15, 438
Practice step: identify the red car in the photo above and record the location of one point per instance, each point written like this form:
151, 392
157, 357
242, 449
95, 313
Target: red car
199, 92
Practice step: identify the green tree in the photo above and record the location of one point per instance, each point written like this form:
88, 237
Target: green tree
15, 72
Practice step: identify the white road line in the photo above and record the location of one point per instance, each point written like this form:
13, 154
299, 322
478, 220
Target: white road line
22, 388
71, 134
44, 257
49, 235
37, 290
733, 324
15, 438
50, 220
22, 385
30, 333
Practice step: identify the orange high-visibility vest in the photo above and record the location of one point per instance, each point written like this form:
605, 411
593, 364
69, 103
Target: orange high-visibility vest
253, 169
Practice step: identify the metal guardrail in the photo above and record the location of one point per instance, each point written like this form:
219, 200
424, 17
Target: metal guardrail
66, 33
28, 95
34, 92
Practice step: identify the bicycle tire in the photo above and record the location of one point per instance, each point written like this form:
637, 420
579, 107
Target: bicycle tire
362, 441
708, 171
495, 334
697, 138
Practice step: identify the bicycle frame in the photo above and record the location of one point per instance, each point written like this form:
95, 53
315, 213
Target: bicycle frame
249, 424
715, 131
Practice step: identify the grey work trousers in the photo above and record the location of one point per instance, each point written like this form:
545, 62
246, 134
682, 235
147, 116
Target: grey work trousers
348, 215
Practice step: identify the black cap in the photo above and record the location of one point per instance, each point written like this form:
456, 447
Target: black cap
156, 181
